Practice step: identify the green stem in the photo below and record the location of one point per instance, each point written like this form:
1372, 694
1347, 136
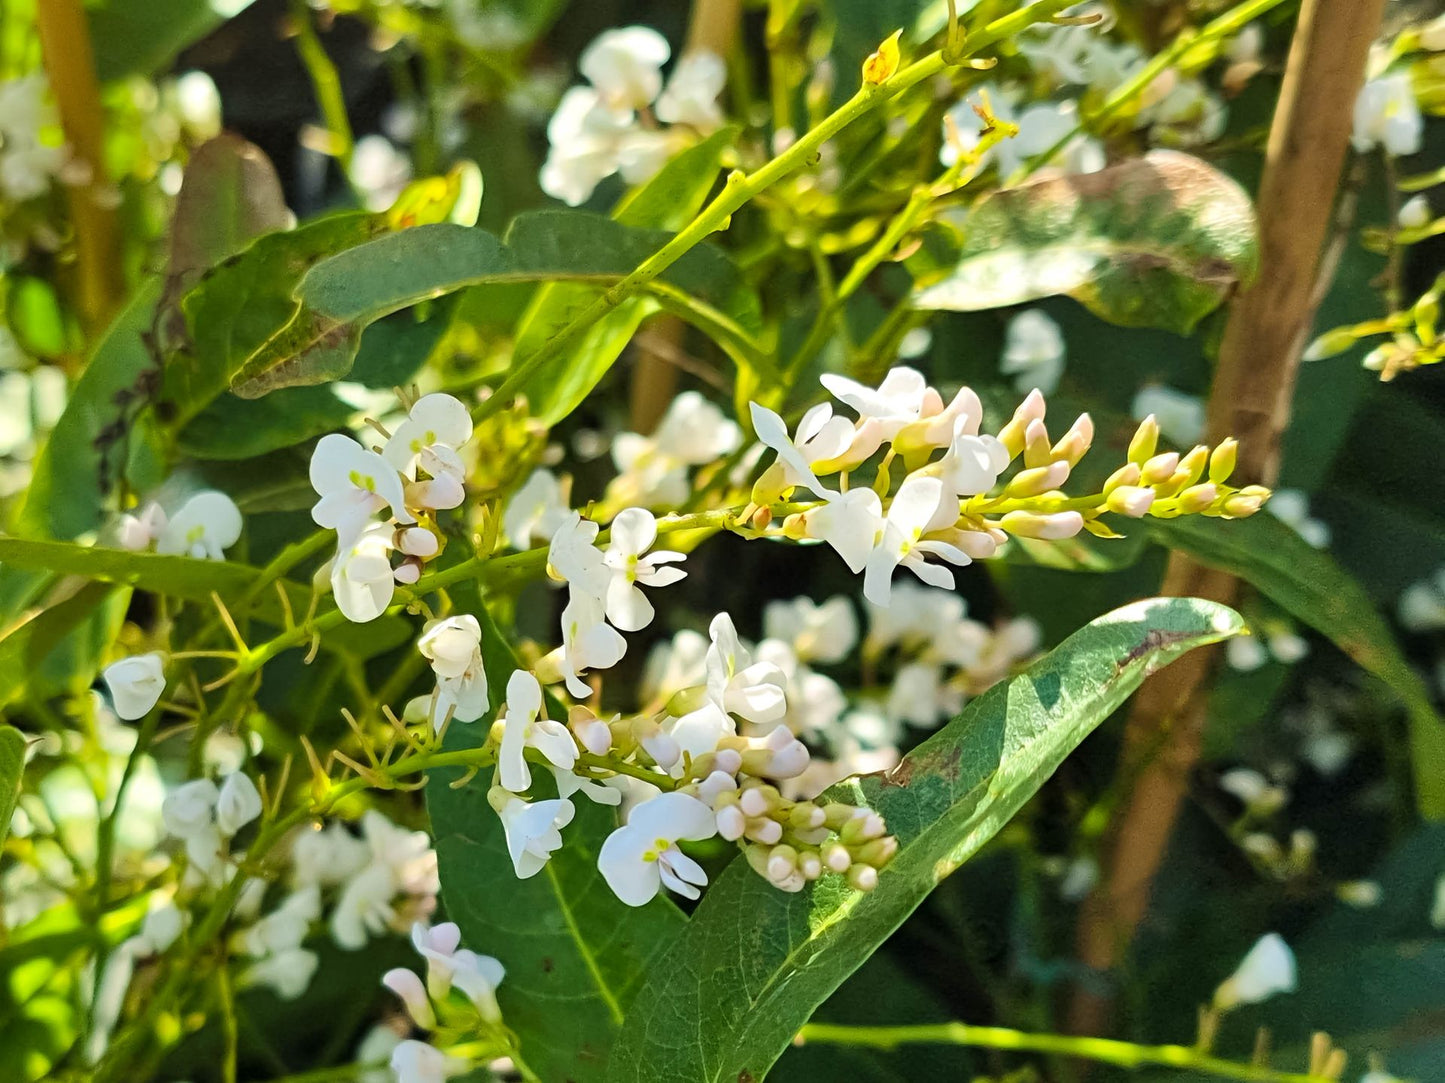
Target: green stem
326, 82
1103, 1050
741, 188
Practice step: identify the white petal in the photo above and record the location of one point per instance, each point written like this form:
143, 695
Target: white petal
633, 531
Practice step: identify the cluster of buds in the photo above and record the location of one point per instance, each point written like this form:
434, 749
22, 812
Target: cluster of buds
950, 506
417, 473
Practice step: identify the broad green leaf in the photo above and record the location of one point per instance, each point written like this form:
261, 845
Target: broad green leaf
575, 955
233, 428
12, 766
755, 962
1158, 241
194, 580
230, 196
1276, 561
27, 640
133, 38
99, 433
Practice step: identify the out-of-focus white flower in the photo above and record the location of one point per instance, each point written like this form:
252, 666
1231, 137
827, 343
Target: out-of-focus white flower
535, 511
1421, 607
27, 165
632, 533
199, 103
1291, 506
416, 1062
625, 66
327, 857
522, 728
1246, 653
401, 862
190, 807
675, 665
1269, 968
533, 830
163, 924
1387, 116
376, 1049
287, 973
379, 171
204, 527
135, 684
1180, 416
641, 857
653, 469
1415, 213
1258, 795
817, 633
285, 928
140, 531
1033, 351
1188, 115
1361, 894
921, 505
692, 92
237, 803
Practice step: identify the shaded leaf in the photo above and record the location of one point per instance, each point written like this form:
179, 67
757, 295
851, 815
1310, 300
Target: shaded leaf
1269, 555
575, 955
233, 428
12, 767
1158, 241
26, 642
144, 38
230, 195
755, 962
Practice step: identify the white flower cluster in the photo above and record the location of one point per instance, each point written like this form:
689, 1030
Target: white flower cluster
29, 161
204, 527
431, 1004
612, 125
653, 470
416, 474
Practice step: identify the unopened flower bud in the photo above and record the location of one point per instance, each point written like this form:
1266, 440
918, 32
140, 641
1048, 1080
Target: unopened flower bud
728, 760
1131, 500
592, 733
782, 756
782, 863
1246, 502
1074, 443
1223, 460
864, 825
1037, 451
878, 852
1197, 498
715, 787
1128, 474
1193, 464
754, 802
416, 541
1038, 480
767, 832
1146, 439
1053, 527
863, 877
407, 985
731, 823
663, 749
810, 865
1160, 468
407, 573
805, 815
770, 486
836, 857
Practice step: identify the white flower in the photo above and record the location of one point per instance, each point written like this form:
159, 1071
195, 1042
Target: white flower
754, 691
406, 985
694, 431
921, 504
625, 66
673, 666
285, 927
447, 964
817, 633
653, 469
1041, 126
633, 532
376, 1049
454, 648
1245, 653
533, 831
1387, 116
401, 862
416, 1062
1292, 507
1269, 968
523, 729
1415, 213
190, 808
638, 859
850, 522
588, 642
972, 464
428, 439
288, 973
206, 525
692, 92
1188, 115
362, 580
1421, 607
573, 557
894, 403
327, 857
354, 484
583, 137
1258, 795
535, 511
824, 442
1080, 878
135, 684
160, 929
1180, 416
27, 165
1033, 351
237, 804
379, 171
915, 694
140, 531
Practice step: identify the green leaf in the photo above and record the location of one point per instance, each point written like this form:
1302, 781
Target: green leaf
98, 434
12, 766
234, 428
238, 585
230, 196
575, 955
1276, 561
26, 643
143, 39
1158, 241
755, 962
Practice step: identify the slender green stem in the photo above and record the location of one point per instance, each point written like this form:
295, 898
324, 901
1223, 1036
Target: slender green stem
326, 82
1103, 1050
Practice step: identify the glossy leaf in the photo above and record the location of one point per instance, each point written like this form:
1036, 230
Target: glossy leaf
239, 586
12, 766
1158, 241
755, 962
575, 955
1269, 555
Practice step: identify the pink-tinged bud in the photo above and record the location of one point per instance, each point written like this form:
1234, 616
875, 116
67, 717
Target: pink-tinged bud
1131, 500
407, 573
836, 857
1053, 527
729, 760
731, 823
1036, 444
754, 802
1197, 498
594, 734
978, 544
1146, 439
663, 749
1032, 408
863, 877
768, 832
407, 985
1160, 468
1223, 461
1128, 474
1194, 463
